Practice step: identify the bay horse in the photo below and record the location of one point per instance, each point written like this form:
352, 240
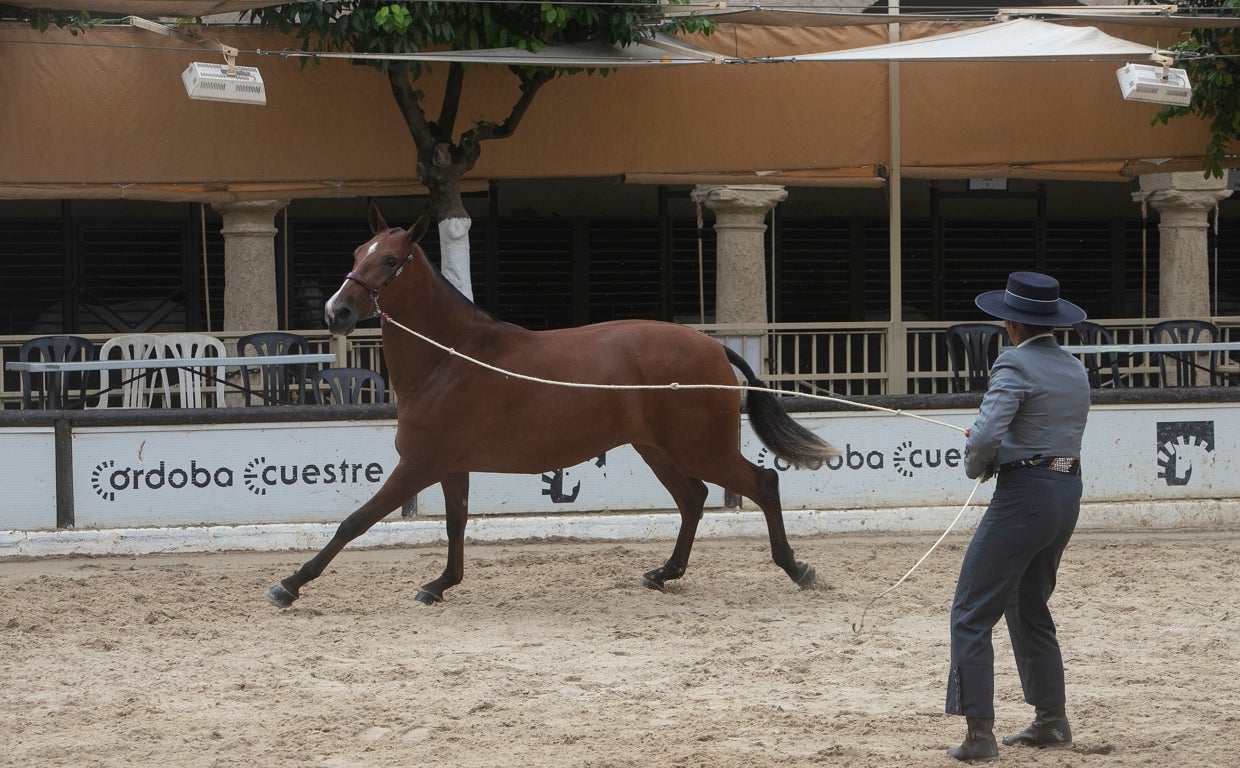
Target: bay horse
454, 417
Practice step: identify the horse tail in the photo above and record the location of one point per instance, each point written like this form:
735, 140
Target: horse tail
775, 428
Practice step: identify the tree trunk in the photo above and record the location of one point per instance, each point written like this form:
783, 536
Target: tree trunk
442, 163
442, 174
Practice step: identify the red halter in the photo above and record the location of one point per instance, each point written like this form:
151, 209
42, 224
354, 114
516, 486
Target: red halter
373, 291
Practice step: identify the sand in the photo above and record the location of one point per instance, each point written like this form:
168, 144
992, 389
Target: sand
551, 654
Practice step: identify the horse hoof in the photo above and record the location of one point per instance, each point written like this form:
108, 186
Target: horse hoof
280, 597
653, 580
808, 578
426, 597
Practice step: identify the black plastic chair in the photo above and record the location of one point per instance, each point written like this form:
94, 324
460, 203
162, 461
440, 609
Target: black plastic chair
972, 349
279, 383
348, 386
54, 390
1180, 369
1093, 334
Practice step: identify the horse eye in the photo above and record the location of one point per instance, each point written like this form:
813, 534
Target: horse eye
389, 261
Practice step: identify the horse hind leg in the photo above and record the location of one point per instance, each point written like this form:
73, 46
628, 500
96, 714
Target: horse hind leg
689, 494
456, 506
762, 486
765, 492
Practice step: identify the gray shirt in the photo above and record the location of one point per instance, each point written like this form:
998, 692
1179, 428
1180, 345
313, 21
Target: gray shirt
1036, 405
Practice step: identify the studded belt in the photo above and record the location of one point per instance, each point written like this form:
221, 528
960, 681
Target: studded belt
1069, 465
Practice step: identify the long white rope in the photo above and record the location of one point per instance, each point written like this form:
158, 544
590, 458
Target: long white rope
671, 385
858, 625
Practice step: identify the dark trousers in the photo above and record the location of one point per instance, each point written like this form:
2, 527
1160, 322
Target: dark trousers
1009, 570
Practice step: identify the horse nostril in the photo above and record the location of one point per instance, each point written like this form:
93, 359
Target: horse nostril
338, 319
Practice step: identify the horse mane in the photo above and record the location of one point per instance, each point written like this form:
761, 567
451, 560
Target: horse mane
439, 274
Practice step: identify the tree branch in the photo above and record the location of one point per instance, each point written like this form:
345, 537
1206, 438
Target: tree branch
444, 126
411, 109
529, 88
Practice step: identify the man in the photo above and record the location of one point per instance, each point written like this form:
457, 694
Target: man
1028, 432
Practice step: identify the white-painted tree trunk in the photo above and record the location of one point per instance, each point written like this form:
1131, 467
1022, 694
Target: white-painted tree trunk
454, 254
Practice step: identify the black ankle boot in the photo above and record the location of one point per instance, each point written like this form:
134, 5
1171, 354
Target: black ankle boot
1049, 730
979, 742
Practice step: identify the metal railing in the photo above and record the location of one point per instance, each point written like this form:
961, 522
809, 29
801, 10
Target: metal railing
843, 359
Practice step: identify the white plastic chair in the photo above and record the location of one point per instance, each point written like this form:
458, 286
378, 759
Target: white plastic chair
193, 382
135, 389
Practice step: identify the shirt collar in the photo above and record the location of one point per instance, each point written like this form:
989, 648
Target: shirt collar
1031, 339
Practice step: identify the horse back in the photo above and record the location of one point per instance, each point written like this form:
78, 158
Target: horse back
523, 423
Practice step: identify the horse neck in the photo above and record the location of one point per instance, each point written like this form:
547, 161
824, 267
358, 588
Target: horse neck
423, 301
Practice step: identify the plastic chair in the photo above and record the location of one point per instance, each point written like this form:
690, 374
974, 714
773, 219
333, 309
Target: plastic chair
1181, 369
1093, 334
53, 390
195, 382
136, 387
348, 386
280, 383
972, 349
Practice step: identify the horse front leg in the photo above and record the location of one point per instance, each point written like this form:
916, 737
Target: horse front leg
456, 506
404, 482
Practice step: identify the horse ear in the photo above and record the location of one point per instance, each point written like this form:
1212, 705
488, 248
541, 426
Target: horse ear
377, 224
419, 228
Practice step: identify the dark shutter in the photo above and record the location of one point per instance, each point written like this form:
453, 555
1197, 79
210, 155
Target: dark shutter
133, 279
32, 255
535, 271
624, 275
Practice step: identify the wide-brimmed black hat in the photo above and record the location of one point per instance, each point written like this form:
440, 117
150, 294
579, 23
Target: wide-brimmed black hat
1031, 298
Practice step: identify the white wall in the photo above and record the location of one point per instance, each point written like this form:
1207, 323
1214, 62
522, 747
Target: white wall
319, 472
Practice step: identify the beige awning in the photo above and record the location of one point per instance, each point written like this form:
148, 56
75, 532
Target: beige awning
104, 113
1146, 15
1015, 40
659, 50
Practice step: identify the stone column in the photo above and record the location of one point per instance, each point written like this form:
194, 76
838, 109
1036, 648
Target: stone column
250, 265
1183, 202
740, 276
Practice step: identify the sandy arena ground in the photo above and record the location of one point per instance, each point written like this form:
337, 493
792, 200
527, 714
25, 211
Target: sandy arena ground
550, 654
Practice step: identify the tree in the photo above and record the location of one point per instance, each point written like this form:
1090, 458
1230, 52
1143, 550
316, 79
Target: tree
1212, 58
444, 156
74, 21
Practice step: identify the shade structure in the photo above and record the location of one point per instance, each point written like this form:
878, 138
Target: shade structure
1014, 40
659, 50
103, 114
1005, 41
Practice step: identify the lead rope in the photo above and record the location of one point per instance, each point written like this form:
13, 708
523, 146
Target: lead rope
858, 625
673, 385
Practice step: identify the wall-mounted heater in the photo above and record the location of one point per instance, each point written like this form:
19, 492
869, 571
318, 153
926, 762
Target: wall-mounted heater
220, 82
213, 82
1155, 83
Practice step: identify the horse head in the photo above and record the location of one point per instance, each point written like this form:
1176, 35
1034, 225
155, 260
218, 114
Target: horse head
376, 263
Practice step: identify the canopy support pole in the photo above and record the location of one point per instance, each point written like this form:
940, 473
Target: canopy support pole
897, 337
